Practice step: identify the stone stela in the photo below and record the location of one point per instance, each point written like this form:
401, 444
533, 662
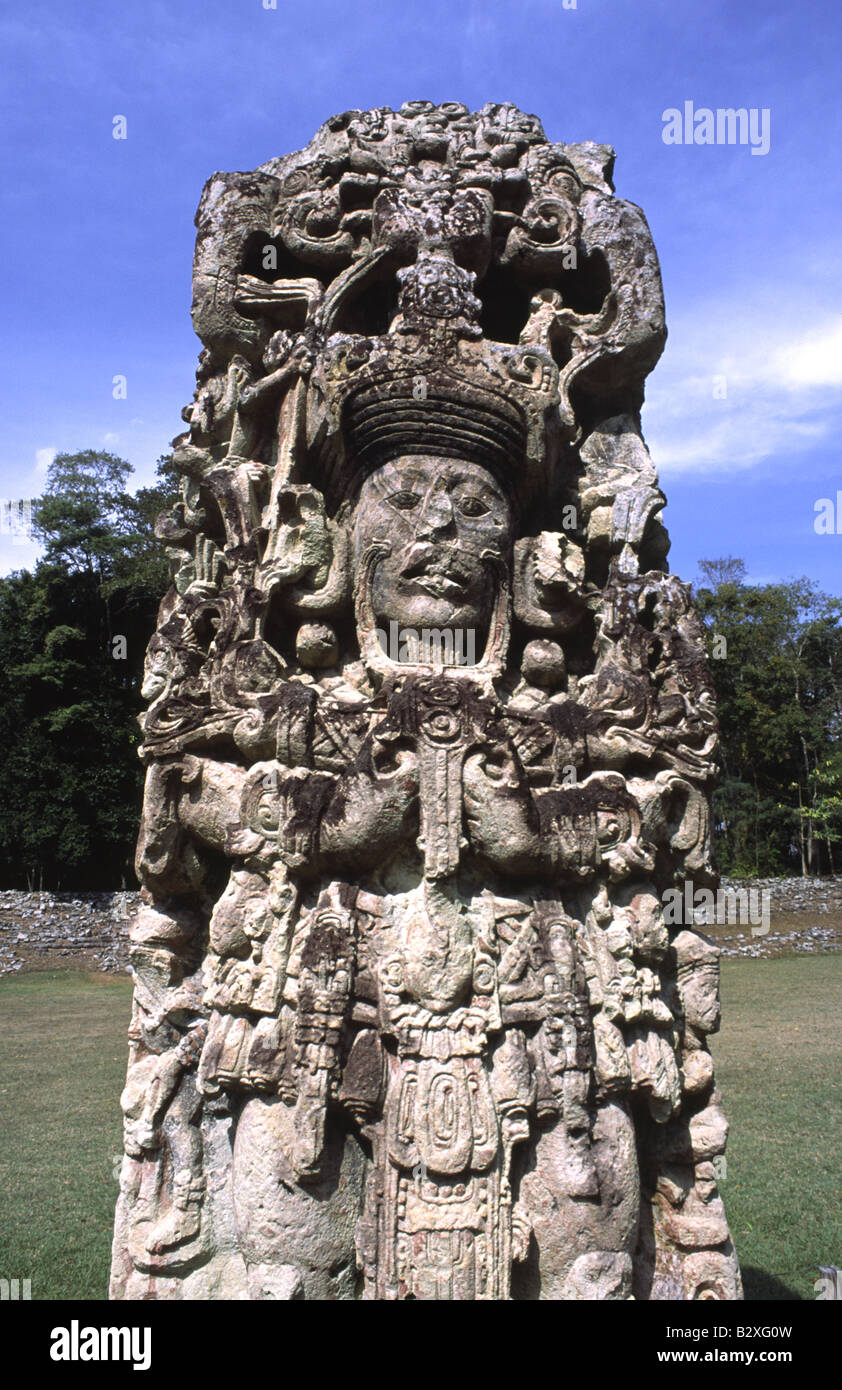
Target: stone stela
408, 1020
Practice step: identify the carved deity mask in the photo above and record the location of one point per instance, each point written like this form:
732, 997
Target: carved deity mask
443, 530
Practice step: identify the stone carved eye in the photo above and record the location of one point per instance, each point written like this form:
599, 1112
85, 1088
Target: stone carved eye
404, 500
473, 506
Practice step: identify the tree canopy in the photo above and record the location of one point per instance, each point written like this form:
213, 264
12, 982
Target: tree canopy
778, 678
72, 639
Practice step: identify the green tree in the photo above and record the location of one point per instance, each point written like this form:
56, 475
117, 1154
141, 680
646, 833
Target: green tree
824, 814
72, 639
778, 690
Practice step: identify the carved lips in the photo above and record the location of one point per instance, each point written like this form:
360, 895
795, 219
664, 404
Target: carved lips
438, 572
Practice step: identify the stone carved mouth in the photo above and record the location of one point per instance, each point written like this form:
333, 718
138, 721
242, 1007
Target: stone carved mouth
435, 572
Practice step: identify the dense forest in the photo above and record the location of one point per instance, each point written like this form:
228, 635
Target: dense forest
73, 635
776, 659
72, 640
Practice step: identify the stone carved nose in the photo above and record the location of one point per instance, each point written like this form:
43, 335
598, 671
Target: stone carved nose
437, 517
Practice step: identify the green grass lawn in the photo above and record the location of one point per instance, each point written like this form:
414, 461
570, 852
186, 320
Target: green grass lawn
63, 1058
779, 1067
779, 1063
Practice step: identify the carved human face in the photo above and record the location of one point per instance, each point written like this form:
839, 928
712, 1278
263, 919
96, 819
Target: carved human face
446, 523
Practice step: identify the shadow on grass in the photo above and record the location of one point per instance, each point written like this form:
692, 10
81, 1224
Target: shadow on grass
758, 1286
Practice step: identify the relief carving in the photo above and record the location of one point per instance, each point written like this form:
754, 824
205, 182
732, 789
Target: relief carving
430, 734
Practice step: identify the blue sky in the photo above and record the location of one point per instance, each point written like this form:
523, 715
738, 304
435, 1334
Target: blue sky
98, 233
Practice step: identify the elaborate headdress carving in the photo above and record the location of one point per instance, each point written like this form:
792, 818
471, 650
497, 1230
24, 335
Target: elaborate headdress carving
434, 386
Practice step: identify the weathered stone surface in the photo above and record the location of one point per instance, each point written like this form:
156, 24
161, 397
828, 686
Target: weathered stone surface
430, 735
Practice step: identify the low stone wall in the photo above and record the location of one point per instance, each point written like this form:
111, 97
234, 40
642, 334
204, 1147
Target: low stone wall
42, 931
805, 917
796, 894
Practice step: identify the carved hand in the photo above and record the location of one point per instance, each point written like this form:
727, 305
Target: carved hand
373, 810
500, 811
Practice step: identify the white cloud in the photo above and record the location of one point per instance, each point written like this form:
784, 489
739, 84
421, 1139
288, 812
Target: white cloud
815, 361
17, 557
43, 459
783, 391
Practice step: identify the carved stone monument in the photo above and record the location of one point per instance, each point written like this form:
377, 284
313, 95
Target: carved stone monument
430, 742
